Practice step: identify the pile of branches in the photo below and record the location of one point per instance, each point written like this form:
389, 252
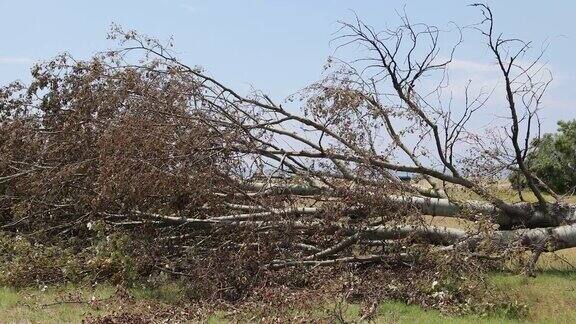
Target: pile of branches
219, 186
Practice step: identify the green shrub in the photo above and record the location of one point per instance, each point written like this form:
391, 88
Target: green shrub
553, 160
107, 258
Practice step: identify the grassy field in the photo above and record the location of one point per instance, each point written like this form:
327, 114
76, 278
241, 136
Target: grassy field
550, 297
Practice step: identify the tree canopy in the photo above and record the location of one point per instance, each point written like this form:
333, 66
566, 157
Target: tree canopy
553, 159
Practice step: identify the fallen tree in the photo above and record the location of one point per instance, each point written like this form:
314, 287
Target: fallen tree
135, 141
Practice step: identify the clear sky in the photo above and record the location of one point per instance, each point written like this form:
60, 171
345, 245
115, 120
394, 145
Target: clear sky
278, 46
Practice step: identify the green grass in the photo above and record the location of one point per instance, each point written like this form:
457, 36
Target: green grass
44, 305
398, 312
72, 304
550, 297
401, 313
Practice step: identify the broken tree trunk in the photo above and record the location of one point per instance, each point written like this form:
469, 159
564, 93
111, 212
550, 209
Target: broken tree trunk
528, 215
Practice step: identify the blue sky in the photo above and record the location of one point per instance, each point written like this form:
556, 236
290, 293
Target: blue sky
278, 46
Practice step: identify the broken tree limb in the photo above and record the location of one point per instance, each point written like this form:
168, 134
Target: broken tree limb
437, 235
336, 248
552, 238
546, 239
321, 263
534, 217
526, 215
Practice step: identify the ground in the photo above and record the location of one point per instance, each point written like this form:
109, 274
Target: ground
549, 297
